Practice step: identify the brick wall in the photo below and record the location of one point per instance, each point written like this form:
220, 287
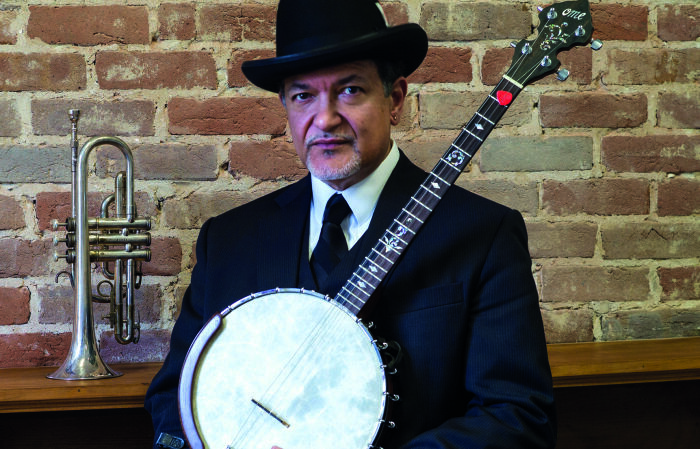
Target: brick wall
603, 166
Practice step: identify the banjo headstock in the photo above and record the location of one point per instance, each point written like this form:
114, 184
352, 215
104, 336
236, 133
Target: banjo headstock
562, 26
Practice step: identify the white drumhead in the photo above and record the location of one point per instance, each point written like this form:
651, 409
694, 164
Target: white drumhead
300, 357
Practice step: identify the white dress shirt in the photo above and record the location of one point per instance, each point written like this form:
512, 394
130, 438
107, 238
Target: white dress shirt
361, 197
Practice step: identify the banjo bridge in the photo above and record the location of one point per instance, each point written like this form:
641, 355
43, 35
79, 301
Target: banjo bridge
270, 412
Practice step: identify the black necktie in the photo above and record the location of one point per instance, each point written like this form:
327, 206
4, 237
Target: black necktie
331, 246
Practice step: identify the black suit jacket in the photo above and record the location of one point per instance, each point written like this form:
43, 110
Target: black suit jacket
461, 302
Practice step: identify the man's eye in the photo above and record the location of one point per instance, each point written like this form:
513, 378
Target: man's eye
351, 90
301, 96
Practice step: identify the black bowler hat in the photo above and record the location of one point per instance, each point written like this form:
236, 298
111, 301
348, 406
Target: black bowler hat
312, 34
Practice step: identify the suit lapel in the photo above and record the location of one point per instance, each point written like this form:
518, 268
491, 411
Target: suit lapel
283, 236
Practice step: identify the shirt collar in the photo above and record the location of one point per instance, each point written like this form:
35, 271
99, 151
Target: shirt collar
362, 197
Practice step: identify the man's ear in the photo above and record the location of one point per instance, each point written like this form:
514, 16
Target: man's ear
398, 97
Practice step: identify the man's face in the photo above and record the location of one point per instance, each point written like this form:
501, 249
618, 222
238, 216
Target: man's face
340, 120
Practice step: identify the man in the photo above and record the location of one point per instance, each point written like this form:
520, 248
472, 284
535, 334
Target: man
461, 301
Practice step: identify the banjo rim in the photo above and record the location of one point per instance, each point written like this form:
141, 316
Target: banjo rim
206, 336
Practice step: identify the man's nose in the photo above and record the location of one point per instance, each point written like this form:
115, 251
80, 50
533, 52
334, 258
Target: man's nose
327, 115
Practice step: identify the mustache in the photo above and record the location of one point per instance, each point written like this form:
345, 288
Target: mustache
312, 140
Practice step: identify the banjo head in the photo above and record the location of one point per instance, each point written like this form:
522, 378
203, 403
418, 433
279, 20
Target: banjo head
287, 368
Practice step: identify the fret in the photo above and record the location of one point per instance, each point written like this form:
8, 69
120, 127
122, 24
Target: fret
443, 181
494, 99
404, 226
397, 237
431, 192
357, 287
462, 150
376, 265
426, 207
363, 283
404, 209
370, 273
486, 118
472, 134
450, 165
390, 245
382, 256
347, 301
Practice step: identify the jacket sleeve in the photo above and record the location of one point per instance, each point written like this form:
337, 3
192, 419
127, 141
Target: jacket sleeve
506, 374
161, 397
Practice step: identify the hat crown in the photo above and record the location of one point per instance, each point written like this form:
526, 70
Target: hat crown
313, 24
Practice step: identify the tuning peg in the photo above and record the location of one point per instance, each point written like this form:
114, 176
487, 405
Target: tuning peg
596, 44
514, 44
562, 74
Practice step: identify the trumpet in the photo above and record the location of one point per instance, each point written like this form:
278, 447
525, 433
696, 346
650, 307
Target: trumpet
117, 242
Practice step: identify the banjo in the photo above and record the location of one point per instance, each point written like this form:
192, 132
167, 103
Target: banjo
307, 372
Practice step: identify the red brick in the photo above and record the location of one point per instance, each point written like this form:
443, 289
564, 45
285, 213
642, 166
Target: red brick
650, 240
444, 65
24, 257
589, 283
680, 283
619, 22
42, 71
679, 110
396, 13
8, 27
12, 216
593, 110
89, 25
679, 196
568, 326
267, 160
655, 66
578, 60
28, 350
678, 22
473, 21
166, 257
236, 23
14, 305
171, 70
235, 74
120, 118
262, 115
596, 197
561, 239
648, 154
176, 21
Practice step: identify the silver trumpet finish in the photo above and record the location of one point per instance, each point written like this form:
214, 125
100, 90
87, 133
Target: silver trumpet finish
117, 241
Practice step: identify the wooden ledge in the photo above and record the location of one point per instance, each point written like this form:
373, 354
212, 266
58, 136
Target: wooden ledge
623, 362
573, 364
28, 389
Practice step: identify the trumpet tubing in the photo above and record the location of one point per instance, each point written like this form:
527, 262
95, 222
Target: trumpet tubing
117, 243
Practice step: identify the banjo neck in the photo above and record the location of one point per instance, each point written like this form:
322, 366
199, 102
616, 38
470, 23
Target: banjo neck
358, 289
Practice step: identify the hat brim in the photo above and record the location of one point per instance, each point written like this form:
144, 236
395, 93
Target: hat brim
406, 43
